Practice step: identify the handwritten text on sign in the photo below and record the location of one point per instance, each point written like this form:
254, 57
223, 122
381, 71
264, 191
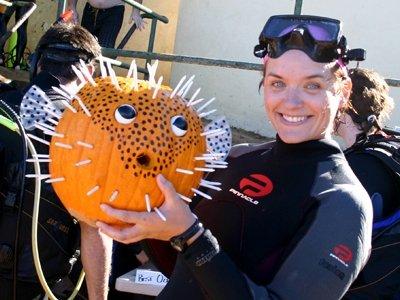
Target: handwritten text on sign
150, 277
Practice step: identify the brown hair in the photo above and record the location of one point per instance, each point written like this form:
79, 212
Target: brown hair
78, 37
369, 97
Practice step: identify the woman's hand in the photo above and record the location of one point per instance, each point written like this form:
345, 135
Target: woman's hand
137, 19
148, 225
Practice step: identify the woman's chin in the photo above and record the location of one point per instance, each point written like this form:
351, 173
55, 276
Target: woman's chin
293, 138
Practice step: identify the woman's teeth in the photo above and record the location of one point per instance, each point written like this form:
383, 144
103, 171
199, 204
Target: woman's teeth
294, 119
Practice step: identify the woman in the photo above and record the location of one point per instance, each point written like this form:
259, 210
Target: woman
370, 105
292, 221
361, 128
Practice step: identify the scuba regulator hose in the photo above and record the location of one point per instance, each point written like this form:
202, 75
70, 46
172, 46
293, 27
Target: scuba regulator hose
35, 217
27, 143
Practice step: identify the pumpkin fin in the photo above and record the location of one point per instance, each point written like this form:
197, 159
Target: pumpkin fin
37, 107
177, 87
221, 144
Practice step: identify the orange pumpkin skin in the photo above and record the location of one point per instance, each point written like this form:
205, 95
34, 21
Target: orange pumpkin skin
113, 164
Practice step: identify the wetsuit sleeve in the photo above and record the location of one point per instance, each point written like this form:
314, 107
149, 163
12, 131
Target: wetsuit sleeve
324, 257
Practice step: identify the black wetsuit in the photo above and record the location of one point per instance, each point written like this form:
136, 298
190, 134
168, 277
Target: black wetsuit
292, 222
58, 233
380, 279
378, 180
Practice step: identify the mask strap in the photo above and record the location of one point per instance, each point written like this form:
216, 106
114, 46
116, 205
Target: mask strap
342, 65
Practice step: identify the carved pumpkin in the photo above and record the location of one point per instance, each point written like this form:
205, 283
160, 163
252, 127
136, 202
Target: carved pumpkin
114, 138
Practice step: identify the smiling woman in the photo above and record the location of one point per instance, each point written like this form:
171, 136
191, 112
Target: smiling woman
290, 219
302, 96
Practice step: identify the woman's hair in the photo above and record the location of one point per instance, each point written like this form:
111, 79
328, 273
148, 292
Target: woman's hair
369, 99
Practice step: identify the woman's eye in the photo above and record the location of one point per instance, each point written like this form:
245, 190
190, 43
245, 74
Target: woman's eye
313, 86
125, 114
179, 125
278, 84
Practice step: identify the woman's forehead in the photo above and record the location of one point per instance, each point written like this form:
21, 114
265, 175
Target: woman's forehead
296, 63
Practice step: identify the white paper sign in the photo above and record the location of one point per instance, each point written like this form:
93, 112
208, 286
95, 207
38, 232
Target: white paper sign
150, 277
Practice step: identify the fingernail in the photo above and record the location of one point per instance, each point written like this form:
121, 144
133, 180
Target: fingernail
103, 206
162, 178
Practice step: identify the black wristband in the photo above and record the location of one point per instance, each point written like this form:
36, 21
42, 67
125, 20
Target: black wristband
202, 250
179, 242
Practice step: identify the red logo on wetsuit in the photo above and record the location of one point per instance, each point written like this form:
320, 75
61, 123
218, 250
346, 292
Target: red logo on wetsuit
343, 253
256, 185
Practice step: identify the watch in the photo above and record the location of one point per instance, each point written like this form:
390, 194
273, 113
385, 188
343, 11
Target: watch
179, 242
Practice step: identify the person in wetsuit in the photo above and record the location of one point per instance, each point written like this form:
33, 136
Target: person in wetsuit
292, 221
60, 48
370, 97
362, 123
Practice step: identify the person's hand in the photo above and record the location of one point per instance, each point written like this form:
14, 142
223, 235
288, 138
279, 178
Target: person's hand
137, 18
148, 225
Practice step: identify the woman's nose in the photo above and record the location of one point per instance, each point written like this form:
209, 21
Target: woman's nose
293, 99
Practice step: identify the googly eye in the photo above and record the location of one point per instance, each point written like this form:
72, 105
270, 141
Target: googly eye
125, 114
179, 125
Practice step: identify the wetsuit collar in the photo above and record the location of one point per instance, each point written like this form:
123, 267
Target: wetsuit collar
309, 150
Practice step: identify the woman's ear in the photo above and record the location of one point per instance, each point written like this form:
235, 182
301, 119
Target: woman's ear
346, 87
91, 68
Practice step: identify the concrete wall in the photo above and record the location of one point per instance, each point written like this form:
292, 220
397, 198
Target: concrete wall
45, 15
229, 30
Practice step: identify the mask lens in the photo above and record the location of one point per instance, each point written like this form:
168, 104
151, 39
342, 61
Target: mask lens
321, 30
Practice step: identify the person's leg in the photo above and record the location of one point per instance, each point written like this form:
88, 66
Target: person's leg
108, 25
89, 18
22, 36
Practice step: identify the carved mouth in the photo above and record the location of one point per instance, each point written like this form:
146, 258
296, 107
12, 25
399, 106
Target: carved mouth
143, 160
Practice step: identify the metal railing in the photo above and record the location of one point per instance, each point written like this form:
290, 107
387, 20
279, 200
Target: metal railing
150, 55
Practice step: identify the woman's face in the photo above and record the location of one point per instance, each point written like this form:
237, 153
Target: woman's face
299, 97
